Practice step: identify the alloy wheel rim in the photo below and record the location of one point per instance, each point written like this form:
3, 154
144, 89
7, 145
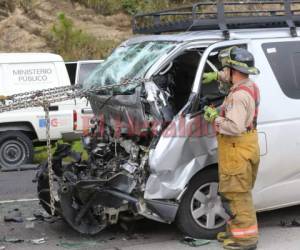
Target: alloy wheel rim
206, 207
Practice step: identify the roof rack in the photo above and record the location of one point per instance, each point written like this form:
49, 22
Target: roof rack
221, 15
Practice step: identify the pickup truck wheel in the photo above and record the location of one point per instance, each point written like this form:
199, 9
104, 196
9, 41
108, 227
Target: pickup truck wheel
15, 149
201, 214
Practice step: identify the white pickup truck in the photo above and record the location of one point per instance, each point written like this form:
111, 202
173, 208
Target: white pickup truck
20, 130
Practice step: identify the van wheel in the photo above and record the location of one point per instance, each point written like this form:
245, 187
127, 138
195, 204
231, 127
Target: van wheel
201, 213
15, 149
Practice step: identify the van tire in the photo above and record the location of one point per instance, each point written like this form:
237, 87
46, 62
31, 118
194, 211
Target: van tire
205, 182
16, 149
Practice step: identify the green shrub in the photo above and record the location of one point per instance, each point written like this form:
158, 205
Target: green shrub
72, 43
130, 6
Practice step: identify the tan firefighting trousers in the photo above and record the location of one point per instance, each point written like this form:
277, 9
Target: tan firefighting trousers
238, 165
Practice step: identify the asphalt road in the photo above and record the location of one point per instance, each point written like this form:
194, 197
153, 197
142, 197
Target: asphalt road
142, 235
17, 185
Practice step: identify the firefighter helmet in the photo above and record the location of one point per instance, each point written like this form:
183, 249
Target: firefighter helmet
238, 59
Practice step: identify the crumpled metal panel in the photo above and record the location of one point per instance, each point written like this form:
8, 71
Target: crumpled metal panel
121, 112
177, 158
160, 108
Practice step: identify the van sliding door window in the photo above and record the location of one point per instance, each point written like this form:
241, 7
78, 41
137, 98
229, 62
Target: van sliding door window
284, 58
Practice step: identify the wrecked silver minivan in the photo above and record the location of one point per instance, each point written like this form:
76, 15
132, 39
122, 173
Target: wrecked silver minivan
151, 154
147, 144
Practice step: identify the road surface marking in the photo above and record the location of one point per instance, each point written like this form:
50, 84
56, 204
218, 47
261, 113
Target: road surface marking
19, 200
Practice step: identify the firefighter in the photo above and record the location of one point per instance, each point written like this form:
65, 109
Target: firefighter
238, 148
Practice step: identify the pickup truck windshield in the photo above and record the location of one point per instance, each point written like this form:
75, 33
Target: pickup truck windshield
127, 62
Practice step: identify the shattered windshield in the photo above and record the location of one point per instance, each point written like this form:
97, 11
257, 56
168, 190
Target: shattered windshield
127, 62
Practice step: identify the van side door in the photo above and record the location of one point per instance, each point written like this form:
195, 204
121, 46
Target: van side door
279, 120
207, 95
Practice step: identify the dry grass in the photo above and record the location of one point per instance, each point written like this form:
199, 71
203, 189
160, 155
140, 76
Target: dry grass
72, 43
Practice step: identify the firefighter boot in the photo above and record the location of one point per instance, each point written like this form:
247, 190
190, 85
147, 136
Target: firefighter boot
230, 244
222, 236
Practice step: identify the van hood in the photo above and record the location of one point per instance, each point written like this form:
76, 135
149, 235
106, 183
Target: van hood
147, 110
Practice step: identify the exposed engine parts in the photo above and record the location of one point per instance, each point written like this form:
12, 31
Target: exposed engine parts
92, 193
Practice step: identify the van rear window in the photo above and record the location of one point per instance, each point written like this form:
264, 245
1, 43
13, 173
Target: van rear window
85, 70
284, 58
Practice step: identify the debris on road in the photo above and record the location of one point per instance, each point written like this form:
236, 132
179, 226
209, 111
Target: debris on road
31, 219
41, 215
2, 247
12, 240
14, 215
194, 242
38, 241
78, 245
29, 225
53, 219
16, 240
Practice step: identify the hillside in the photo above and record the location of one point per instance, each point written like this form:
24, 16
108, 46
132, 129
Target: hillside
27, 25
